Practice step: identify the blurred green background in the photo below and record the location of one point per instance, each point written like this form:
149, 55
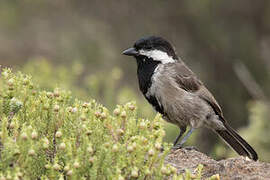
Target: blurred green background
77, 45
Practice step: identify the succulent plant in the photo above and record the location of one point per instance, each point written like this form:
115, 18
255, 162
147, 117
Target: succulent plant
55, 135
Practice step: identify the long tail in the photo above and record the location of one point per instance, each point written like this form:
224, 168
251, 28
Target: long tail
237, 142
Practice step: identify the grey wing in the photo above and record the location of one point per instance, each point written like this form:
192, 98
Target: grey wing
188, 81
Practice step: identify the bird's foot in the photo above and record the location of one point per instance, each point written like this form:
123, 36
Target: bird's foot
180, 146
177, 146
191, 148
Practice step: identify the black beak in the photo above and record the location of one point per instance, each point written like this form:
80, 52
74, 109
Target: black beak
131, 52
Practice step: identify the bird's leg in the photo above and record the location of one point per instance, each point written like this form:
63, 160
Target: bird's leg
182, 131
179, 145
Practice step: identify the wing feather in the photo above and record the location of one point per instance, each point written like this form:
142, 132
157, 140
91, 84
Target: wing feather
188, 81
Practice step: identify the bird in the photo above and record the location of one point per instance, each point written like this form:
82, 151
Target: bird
177, 93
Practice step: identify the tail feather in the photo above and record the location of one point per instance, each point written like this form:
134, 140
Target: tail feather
237, 142
244, 143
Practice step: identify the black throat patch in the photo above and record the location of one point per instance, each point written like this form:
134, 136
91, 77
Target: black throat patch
145, 71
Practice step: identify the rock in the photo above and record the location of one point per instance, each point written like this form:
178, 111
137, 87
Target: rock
228, 169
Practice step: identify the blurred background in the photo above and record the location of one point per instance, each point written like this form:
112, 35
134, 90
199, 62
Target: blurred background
77, 45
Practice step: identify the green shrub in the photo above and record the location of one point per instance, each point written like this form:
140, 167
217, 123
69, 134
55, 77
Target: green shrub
51, 135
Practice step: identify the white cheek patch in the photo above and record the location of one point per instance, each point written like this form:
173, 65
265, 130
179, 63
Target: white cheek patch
158, 55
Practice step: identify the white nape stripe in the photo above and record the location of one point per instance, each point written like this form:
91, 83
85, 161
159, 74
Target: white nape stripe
158, 55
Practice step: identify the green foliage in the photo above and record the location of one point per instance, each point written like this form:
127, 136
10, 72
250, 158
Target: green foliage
258, 129
50, 134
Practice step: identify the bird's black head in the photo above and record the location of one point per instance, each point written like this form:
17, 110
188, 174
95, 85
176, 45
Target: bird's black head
152, 48
149, 53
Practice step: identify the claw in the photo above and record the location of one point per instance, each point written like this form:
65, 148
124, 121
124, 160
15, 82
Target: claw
177, 146
191, 148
